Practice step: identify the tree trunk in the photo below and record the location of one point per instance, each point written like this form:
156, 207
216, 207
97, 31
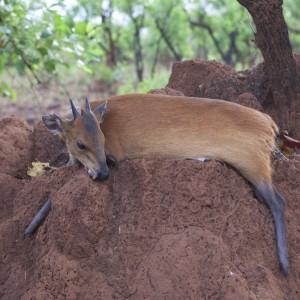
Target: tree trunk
111, 60
138, 23
139, 64
273, 40
110, 48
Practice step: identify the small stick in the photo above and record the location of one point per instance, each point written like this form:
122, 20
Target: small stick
39, 218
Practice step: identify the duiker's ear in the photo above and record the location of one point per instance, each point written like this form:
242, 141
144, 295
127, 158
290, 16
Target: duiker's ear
53, 123
100, 111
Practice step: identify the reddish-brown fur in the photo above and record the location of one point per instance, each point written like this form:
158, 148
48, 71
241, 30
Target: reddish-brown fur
182, 127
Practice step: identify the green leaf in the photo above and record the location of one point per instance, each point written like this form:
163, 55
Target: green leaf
80, 28
45, 34
49, 66
43, 51
57, 20
87, 69
20, 66
89, 27
92, 33
34, 60
7, 91
93, 54
48, 42
13, 95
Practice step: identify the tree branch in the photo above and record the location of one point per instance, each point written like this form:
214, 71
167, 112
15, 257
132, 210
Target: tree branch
164, 35
155, 57
26, 62
210, 32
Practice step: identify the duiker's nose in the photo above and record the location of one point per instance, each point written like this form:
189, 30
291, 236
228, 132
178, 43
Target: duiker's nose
103, 174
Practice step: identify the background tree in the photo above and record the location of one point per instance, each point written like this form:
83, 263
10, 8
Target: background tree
272, 39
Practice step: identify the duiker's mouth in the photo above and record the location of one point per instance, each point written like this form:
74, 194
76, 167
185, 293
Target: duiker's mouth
91, 173
103, 175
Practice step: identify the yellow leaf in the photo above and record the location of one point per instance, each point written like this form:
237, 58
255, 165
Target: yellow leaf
37, 168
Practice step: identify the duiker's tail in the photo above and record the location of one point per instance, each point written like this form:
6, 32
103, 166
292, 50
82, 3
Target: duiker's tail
271, 196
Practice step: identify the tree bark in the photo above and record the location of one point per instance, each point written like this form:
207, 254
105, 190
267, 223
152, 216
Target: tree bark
138, 53
110, 49
139, 65
273, 40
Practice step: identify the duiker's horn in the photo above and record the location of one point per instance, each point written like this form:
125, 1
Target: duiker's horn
74, 110
87, 105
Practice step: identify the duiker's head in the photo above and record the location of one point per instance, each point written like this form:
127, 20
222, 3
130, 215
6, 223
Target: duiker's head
84, 138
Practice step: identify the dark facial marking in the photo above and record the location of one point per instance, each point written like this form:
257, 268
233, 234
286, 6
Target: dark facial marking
90, 122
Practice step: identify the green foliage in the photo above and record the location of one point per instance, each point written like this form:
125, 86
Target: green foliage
7, 91
29, 43
130, 85
38, 37
292, 17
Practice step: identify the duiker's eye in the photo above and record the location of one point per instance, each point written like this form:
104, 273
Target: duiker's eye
80, 145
